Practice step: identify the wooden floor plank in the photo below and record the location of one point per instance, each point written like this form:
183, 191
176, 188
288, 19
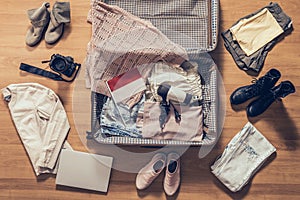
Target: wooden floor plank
279, 179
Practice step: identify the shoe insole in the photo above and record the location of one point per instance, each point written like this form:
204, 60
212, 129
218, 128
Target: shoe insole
158, 166
172, 166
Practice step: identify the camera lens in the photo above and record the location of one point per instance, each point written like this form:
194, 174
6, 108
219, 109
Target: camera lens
59, 64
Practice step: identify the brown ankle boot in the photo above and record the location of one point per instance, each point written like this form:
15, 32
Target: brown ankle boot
60, 15
39, 18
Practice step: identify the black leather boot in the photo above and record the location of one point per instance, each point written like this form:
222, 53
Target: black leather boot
261, 104
263, 84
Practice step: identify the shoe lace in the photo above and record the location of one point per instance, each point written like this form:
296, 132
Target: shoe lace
258, 85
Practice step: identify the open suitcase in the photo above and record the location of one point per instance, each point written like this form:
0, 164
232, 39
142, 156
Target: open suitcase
193, 25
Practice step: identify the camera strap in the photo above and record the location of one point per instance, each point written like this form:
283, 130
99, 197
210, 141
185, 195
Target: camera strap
41, 72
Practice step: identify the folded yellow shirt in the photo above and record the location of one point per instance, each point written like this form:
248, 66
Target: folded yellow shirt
255, 32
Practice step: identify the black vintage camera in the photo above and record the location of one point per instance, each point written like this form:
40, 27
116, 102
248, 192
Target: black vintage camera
63, 65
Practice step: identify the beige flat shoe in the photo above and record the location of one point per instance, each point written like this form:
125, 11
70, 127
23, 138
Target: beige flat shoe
39, 18
59, 16
172, 177
148, 173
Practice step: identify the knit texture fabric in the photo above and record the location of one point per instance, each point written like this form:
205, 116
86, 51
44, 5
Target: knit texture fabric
120, 42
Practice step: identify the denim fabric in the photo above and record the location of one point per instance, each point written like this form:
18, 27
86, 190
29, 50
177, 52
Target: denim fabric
255, 61
242, 158
111, 123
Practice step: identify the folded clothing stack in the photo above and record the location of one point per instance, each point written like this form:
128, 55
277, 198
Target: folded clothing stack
242, 158
251, 38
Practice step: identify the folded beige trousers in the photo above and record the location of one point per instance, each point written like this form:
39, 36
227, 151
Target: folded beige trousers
41, 122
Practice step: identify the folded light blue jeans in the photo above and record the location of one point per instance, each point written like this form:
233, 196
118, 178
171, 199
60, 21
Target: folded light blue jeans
111, 123
242, 158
